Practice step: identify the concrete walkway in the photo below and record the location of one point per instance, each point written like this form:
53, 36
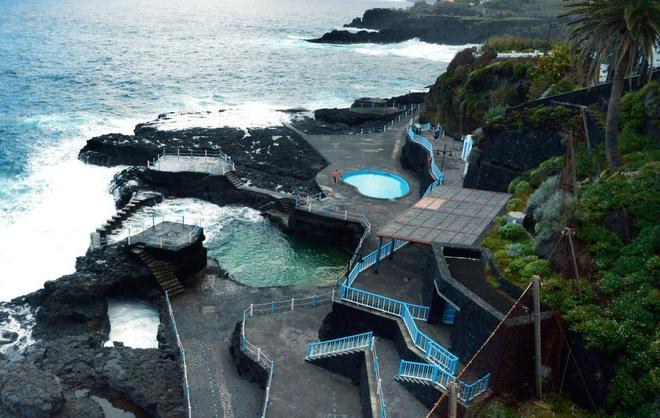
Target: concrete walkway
347, 153
299, 388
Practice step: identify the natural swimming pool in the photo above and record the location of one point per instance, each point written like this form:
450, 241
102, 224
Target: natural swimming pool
247, 245
378, 184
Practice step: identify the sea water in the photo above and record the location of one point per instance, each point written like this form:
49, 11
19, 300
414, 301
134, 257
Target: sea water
72, 69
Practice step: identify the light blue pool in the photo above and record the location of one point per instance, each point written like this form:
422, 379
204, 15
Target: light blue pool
378, 184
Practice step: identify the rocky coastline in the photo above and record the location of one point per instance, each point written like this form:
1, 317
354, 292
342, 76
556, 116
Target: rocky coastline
383, 26
65, 365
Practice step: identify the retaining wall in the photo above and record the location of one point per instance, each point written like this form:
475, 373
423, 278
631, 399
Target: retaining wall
415, 158
325, 229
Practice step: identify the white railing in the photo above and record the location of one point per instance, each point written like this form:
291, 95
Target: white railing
190, 153
186, 386
254, 351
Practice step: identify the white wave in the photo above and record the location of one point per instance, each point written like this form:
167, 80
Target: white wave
414, 49
22, 327
516, 54
59, 202
355, 30
133, 322
211, 217
250, 115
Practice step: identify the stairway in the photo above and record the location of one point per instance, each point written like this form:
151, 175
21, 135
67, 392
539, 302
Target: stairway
236, 181
163, 271
408, 379
285, 205
124, 213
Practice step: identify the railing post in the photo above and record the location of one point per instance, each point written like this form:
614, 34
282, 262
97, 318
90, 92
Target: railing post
380, 244
272, 307
453, 398
314, 301
258, 354
251, 309
292, 301
333, 295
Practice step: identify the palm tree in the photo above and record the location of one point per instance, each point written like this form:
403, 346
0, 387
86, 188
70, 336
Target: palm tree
622, 33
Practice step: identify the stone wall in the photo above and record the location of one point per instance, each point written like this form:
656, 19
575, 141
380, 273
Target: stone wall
504, 155
324, 229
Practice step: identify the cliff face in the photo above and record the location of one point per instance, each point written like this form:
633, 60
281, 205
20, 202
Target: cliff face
510, 145
445, 23
475, 88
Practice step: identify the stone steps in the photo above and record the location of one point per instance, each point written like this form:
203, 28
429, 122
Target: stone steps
234, 179
163, 272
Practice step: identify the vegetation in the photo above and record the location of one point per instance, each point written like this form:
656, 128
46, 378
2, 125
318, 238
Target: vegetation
554, 73
622, 33
513, 44
616, 306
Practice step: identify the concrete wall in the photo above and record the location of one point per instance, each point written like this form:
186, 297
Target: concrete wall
504, 155
415, 158
244, 364
352, 366
325, 230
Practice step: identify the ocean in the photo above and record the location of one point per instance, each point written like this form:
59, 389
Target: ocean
73, 69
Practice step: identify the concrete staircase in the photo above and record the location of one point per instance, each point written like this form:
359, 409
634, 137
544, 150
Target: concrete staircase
99, 237
163, 272
234, 179
285, 205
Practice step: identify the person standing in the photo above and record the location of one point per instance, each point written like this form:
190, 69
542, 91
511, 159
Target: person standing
335, 175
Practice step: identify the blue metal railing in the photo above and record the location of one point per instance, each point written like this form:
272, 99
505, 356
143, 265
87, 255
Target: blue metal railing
349, 344
467, 392
435, 171
434, 352
424, 371
435, 375
382, 303
339, 345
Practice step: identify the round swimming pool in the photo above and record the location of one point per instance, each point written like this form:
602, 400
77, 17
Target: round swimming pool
378, 184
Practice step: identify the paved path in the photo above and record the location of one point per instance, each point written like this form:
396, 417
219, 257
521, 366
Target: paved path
299, 388
346, 153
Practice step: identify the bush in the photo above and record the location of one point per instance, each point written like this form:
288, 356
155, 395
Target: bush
513, 232
515, 205
516, 249
541, 195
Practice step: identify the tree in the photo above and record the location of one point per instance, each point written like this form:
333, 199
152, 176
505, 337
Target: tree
621, 33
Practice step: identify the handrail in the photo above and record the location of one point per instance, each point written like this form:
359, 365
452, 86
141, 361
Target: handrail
434, 352
379, 381
270, 308
195, 153
435, 171
339, 345
186, 386
381, 303
435, 375
469, 391
348, 344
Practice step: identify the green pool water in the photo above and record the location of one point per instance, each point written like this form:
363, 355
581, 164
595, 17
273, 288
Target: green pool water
259, 254
256, 252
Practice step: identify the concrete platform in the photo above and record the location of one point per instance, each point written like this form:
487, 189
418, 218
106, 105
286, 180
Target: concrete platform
168, 235
196, 164
300, 389
346, 153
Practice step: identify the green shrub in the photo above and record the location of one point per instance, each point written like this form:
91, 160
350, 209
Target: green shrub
515, 205
522, 188
513, 232
516, 249
542, 194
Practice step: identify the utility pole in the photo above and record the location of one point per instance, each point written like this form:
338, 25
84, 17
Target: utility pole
537, 334
453, 400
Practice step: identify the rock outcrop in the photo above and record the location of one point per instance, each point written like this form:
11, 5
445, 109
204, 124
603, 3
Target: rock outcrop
274, 157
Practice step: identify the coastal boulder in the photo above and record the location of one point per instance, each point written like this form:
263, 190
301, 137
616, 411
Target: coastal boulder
30, 392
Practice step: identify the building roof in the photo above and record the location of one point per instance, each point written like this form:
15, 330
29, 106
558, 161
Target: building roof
451, 215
